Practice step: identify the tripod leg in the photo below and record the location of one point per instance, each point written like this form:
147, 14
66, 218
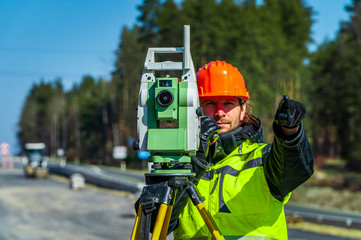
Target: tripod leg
136, 228
207, 218
212, 226
163, 234
159, 222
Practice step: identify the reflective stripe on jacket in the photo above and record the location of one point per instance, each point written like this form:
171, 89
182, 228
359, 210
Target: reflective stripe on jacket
238, 197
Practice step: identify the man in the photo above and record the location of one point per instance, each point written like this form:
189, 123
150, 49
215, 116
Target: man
245, 182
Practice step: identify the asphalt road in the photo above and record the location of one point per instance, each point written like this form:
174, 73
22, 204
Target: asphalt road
45, 209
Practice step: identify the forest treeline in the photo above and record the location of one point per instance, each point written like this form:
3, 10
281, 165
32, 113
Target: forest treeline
267, 42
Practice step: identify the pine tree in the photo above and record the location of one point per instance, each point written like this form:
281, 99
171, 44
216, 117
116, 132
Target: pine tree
336, 72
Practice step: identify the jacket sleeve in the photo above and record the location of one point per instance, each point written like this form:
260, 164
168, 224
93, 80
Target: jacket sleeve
287, 162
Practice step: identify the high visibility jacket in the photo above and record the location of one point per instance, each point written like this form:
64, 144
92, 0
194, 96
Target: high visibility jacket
237, 196
238, 193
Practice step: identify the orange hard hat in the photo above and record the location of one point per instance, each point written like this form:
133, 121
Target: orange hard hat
219, 78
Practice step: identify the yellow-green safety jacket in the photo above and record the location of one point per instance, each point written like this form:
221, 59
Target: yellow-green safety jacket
246, 190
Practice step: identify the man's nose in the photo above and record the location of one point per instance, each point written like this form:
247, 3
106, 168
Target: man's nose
219, 111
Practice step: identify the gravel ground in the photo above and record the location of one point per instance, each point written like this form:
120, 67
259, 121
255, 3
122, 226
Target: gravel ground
329, 194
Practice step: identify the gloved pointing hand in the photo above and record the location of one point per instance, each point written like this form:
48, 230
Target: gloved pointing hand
290, 113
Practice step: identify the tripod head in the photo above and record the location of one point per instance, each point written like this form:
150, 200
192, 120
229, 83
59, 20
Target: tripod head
168, 110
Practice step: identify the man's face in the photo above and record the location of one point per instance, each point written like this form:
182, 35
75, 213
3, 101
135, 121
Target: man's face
225, 110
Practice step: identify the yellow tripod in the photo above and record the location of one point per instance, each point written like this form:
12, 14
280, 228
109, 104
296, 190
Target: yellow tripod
162, 188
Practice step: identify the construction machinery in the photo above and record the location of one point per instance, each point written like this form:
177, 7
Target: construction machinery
35, 162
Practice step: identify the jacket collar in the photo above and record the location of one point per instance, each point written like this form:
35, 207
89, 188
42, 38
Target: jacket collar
229, 141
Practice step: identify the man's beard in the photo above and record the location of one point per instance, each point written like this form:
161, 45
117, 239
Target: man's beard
222, 120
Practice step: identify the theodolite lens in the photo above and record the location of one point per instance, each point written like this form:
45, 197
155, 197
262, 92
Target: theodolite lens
165, 98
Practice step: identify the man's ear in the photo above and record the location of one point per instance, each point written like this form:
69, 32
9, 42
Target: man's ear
243, 111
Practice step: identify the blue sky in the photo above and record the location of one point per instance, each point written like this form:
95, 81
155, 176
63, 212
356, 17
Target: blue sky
67, 39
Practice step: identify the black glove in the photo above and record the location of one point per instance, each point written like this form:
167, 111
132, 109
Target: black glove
208, 132
290, 113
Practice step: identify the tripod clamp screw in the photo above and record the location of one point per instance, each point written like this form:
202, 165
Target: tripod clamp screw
193, 194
